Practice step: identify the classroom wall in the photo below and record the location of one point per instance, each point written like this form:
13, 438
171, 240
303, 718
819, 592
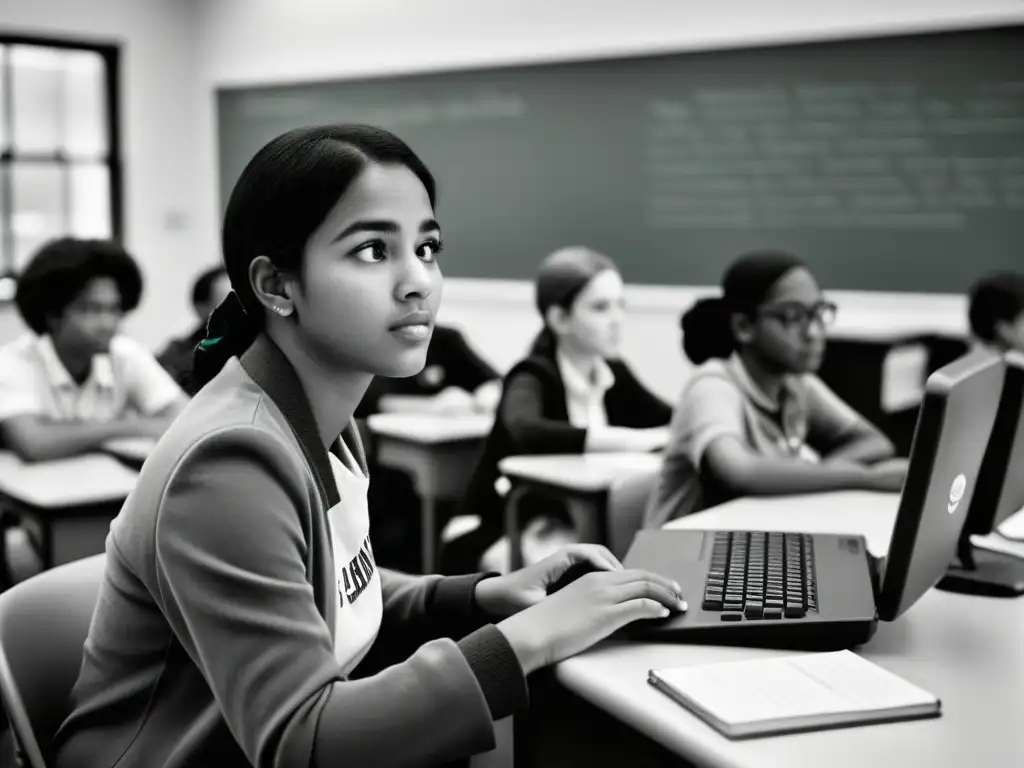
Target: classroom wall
161, 97
177, 51
272, 41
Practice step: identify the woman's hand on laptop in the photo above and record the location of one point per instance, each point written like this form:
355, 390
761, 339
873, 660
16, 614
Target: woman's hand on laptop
501, 596
587, 611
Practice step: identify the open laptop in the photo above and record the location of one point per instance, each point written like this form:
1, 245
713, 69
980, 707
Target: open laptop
825, 591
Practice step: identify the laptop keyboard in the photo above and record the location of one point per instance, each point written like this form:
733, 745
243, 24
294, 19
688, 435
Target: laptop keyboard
757, 575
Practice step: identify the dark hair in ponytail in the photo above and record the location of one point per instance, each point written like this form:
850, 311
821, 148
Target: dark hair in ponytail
282, 196
707, 325
562, 276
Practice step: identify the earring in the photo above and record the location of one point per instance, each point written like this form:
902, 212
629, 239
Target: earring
283, 311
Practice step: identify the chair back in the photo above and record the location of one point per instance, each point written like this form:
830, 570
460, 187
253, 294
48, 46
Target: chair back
43, 625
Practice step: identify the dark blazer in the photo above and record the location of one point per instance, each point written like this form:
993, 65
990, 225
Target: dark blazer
451, 362
533, 418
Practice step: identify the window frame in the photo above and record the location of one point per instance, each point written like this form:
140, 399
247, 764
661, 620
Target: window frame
9, 157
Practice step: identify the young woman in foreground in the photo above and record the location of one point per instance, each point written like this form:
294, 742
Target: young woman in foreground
242, 619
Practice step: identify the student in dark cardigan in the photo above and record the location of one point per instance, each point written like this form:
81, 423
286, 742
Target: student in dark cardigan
572, 394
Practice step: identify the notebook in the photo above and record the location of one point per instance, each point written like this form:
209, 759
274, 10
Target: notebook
808, 692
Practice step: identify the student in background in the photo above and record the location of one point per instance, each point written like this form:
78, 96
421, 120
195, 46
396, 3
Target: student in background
455, 378
754, 419
997, 311
208, 292
572, 394
74, 382
242, 619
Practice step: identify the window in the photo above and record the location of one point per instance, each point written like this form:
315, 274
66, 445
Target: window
60, 164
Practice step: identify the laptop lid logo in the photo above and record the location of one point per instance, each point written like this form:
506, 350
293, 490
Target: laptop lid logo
956, 492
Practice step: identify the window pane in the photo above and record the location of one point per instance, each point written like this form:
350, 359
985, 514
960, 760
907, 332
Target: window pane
37, 84
6, 261
3, 103
38, 207
90, 201
85, 116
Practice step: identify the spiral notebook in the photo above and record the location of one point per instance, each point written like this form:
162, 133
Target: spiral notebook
742, 699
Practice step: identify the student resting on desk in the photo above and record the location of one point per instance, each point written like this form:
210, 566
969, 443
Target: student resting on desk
74, 382
455, 378
208, 291
754, 419
572, 394
242, 619
997, 311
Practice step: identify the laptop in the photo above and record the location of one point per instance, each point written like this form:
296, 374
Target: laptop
825, 591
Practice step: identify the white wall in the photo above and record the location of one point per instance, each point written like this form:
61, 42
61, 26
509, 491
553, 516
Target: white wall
177, 51
161, 97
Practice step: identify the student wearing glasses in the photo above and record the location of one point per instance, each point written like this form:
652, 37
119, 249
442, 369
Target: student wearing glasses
754, 419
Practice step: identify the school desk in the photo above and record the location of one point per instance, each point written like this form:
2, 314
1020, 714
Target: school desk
963, 648
439, 453
133, 451
68, 503
580, 480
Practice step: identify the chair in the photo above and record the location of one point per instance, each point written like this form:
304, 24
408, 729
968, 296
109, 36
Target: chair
43, 625
627, 499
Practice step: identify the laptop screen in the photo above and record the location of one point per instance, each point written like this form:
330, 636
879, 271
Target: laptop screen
953, 428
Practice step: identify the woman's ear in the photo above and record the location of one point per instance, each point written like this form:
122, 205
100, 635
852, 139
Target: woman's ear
742, 327
271, 287
557, 319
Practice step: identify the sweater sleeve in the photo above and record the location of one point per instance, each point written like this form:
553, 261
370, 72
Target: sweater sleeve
418, 609
466, 369
637, 406
231, 551
522, 412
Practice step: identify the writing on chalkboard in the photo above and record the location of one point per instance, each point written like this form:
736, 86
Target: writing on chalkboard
861, 155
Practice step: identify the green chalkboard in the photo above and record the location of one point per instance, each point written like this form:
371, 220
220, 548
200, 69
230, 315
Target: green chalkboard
891, 163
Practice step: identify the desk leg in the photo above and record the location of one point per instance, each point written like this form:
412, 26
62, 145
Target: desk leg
428, 533
512, 532
588, 518
46, 545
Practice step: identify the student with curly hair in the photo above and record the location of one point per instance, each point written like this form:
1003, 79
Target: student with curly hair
74, 381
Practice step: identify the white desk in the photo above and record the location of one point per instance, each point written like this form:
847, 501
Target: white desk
439, 453
133, 451
69, 501
965, 649
581, 480
868, 513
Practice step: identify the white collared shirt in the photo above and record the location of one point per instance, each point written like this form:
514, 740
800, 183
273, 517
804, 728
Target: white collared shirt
128, 379
584, 396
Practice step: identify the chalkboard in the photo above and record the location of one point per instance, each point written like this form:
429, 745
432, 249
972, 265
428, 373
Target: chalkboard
892, 163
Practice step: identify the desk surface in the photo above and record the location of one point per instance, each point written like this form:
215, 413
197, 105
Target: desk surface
588, 472
80, 481
963, 648
134, 450
868, 513
430, 429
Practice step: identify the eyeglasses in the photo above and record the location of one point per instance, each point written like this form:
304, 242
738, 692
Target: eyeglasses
800, 315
